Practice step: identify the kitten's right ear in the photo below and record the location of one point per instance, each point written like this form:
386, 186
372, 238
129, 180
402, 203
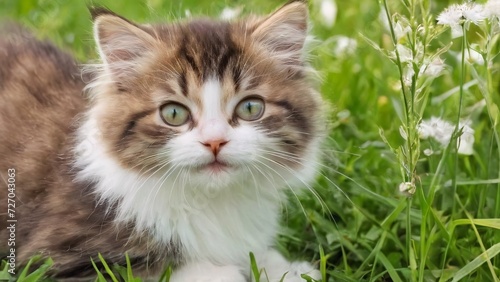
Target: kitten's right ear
284, 32
120, 42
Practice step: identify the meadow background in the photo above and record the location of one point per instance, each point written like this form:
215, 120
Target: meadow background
360, 226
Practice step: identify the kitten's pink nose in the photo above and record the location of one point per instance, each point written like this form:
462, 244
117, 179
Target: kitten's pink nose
215, 145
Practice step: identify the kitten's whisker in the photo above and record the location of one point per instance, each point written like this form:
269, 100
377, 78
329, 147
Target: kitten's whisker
284, 154
165, 176
324, 206
159, 167
251, 173
150, 157
327, 178
286, 183
184, 177
295, 156
271, 181
275, 171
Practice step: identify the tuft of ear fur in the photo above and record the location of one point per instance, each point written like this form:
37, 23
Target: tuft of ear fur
121, 43
284, 32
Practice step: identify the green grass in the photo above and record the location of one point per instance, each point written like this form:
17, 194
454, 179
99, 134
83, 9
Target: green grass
364, 229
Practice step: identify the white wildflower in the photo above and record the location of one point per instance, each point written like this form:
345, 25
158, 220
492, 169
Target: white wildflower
474, 57
457, 14
402, 132
328, 10
466, 140
452, 17
441, 131
473, 13
491, 9
408, 73
344, 46
407, 188
433, 69
471, 56
229, 13
436, 128
401, 29
405, 54
428, 152
400, 24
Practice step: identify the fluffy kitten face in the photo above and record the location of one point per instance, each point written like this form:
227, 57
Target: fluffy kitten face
208, 104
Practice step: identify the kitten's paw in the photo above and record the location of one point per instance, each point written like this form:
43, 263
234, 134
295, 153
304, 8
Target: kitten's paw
275, 266
299, 268
207, 272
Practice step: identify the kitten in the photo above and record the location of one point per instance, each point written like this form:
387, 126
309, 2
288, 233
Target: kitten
180, 153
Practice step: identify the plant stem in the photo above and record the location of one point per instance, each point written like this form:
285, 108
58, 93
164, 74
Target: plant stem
455, 137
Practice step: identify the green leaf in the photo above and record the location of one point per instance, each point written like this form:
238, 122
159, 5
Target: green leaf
165, 277
100, 277
254, 268
306, 278
39, 273
487, 222
389, 267
322, 264
477, 262
106, 267
4, 274
130, 275
24, 272
36, 275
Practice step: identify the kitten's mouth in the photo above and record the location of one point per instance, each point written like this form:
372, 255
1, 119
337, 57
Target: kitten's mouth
215, 167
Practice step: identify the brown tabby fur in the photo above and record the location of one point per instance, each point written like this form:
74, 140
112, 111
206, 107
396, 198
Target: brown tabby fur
40, 100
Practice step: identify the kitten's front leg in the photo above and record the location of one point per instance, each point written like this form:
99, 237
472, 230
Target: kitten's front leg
275, 266
207, 272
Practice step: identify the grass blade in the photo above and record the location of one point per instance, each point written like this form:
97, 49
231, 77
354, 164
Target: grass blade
106, 267
254, 268
38, 274
487, 222
389, 267
477, 262
100, 277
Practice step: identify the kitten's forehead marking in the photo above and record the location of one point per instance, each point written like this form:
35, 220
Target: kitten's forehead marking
207, 48
213, 124
211, 97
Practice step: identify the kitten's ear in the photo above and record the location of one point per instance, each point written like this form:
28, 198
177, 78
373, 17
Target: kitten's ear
284, 32
120, 42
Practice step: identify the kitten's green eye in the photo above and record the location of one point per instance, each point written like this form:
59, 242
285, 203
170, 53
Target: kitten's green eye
174, 114
250, 109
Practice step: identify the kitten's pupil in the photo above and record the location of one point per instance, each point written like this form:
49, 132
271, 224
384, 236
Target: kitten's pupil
250, 109
174, 114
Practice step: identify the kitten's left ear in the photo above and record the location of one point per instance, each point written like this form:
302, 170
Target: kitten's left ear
284, 32
120, 42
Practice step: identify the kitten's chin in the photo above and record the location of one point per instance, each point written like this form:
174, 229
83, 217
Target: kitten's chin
215, 168
217, 173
